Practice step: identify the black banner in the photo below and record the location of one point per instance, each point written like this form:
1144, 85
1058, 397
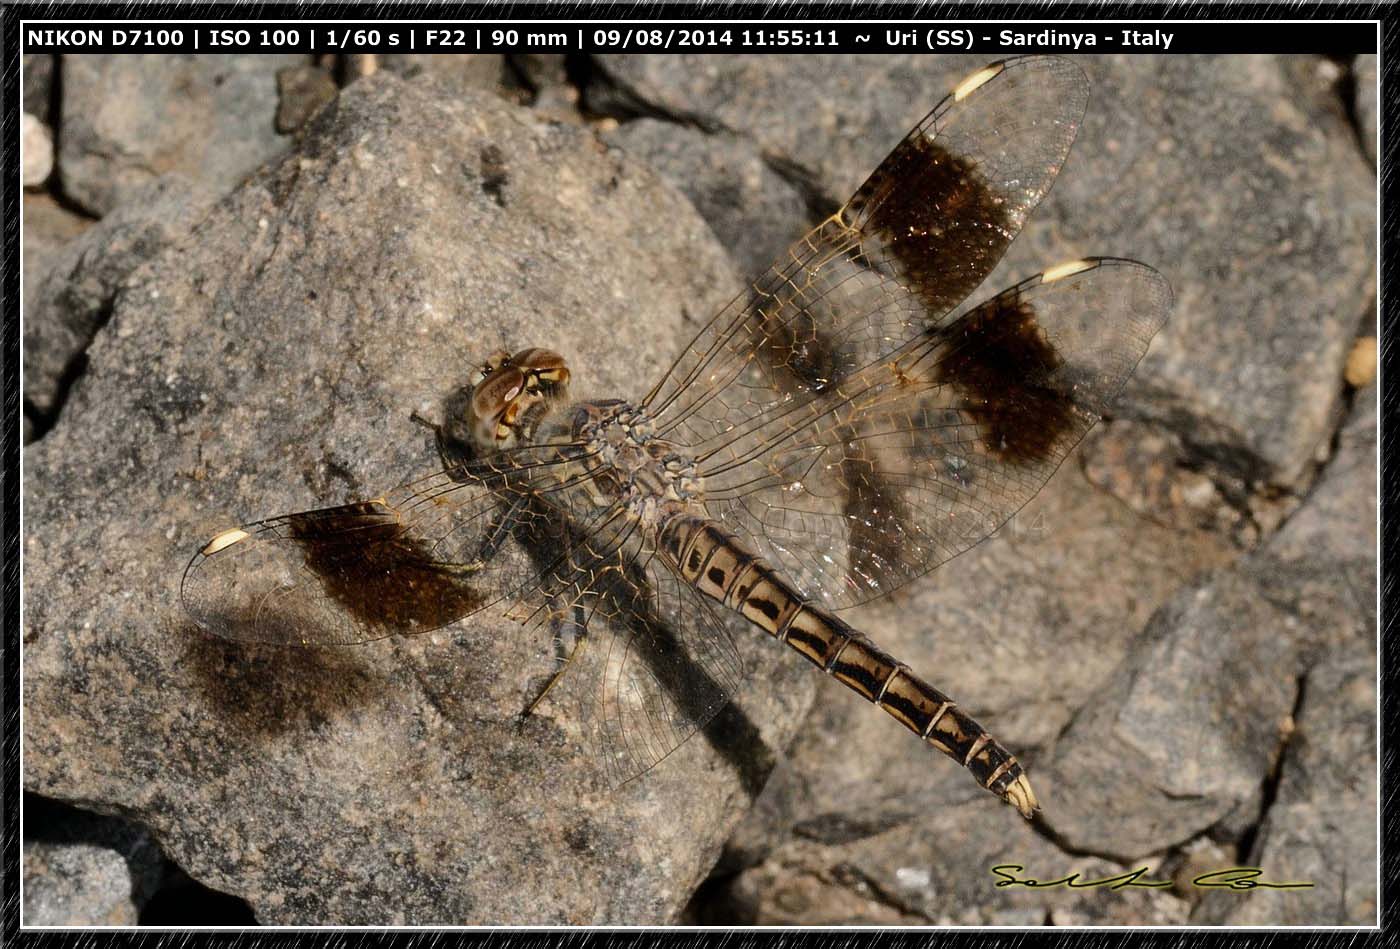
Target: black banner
1005, 37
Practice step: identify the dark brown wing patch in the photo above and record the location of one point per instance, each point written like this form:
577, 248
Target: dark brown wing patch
386, 577
1001, 363
941, 222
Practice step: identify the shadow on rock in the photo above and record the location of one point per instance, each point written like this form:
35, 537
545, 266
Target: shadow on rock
265, 691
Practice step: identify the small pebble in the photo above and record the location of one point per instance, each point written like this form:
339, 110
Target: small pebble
1361, 363
36, 145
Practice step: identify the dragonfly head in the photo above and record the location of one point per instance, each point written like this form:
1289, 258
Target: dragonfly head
514, 395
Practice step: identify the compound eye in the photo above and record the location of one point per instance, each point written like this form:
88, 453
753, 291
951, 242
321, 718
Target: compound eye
497, 360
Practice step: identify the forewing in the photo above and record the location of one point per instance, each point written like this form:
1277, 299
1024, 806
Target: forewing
911, 460
400, 564
919, 235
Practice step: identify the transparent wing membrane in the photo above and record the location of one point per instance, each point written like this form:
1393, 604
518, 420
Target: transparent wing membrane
911, 460
654, 665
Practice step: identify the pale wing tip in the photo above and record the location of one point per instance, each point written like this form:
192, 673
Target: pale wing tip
1069, 268
987, 73
223, 539
1161, 297
975, 81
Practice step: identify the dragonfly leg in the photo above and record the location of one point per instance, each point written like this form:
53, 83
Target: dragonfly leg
496, 535
501, 527
565, 656
415, 417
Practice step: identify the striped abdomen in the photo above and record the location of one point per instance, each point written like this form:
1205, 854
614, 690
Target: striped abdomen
717, 564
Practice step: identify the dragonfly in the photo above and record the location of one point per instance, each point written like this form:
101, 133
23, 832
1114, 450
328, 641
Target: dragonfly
845, 425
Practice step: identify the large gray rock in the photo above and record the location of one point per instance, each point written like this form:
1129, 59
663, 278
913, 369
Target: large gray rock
833, 116
1207, 167
71, 287
271, 364
1033, 623
1181, 739
752, 210
129, 119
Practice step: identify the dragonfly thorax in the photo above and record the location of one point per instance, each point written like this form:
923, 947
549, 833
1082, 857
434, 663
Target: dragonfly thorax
653, 477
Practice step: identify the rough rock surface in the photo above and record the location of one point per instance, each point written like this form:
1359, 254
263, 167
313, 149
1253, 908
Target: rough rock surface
1327, 794
1320, 84
70, 290
753, 211
1144, 466
1330, 543
1246, 675
1021, 631
271, 363
936, 869
129, 119
1321, 566
1206, 167
833, 116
